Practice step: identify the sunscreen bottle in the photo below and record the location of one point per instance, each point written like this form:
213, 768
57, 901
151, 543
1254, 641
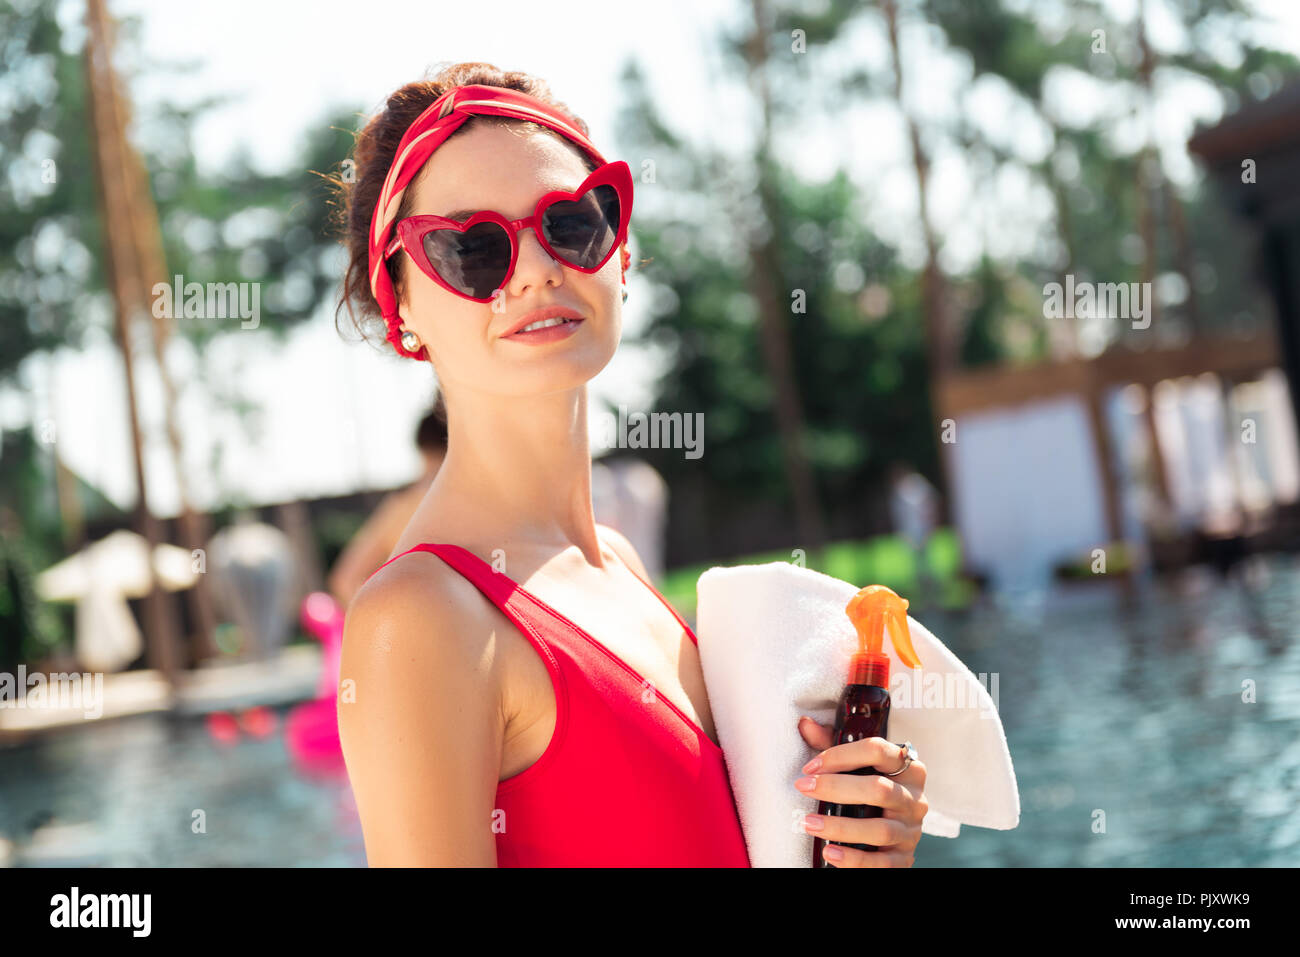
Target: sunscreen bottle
863, 710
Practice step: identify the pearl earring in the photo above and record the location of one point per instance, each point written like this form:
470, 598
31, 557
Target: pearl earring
410, 341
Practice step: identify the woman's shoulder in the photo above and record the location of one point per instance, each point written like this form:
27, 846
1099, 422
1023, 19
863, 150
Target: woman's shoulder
416, 599
421, 714
419, 592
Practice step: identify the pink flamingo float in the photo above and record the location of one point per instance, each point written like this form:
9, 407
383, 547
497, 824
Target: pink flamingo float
311, 730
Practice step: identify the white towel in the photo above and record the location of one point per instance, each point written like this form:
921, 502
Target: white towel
775, 643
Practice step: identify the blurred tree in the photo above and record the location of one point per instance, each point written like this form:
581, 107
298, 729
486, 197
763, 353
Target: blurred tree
228, 225
49, 248
791, 327
1110, 188
771, 294
30, 540
232, 225
856, 339
841, 386
858, 355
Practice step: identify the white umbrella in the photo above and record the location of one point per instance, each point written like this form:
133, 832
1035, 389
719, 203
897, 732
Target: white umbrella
119, 563
100, 578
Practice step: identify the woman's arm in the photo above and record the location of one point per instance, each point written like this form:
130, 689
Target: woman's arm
422, 732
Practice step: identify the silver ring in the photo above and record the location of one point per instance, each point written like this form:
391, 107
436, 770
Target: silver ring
909, 755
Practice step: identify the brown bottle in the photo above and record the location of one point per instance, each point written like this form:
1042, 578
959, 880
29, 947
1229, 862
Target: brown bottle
863, 710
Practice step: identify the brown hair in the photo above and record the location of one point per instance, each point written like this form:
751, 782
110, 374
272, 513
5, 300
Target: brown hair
373, 154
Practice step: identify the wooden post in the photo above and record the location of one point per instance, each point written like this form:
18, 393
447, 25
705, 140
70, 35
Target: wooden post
1095, 400
1159, 472
140, 228
120, 254
192, 526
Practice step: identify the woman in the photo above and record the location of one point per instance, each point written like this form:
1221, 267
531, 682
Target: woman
514, 692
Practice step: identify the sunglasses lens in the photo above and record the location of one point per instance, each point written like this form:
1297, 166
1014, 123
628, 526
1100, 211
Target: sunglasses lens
473, 262
582, 231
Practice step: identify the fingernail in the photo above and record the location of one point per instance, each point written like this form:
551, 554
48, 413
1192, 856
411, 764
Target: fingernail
832, 853
813, 822
812, 765
806, 784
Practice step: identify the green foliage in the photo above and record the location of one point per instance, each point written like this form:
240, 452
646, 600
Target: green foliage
855, 317
29, 628
50, 252
862, 374
30, 540
884, 560
232, 225
981, 344
1097, 202
863, 381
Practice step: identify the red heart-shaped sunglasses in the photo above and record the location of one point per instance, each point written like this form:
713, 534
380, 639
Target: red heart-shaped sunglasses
476, 257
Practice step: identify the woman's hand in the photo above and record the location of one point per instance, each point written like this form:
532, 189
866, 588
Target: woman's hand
902, 799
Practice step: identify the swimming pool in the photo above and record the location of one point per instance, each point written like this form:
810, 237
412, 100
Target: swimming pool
1139, 714
152, 790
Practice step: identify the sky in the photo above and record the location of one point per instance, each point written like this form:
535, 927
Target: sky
338, 416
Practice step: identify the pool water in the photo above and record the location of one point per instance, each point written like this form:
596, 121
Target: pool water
152, 790
1135, 713
1140, 715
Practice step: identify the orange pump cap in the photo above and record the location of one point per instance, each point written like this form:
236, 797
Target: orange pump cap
871, 610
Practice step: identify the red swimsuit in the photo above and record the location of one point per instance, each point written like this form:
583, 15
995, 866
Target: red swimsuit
627, 779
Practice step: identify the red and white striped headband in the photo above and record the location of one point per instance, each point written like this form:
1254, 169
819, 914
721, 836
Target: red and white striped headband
429, 131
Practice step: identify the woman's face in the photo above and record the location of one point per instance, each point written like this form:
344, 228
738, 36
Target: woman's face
490, 167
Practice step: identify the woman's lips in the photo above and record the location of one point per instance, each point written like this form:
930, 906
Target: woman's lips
549, 334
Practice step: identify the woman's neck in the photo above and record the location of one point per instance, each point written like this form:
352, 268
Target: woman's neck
517, 473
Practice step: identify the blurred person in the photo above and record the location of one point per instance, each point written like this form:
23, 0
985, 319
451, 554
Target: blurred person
629, 495
514, 657
374, 542
914, 509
